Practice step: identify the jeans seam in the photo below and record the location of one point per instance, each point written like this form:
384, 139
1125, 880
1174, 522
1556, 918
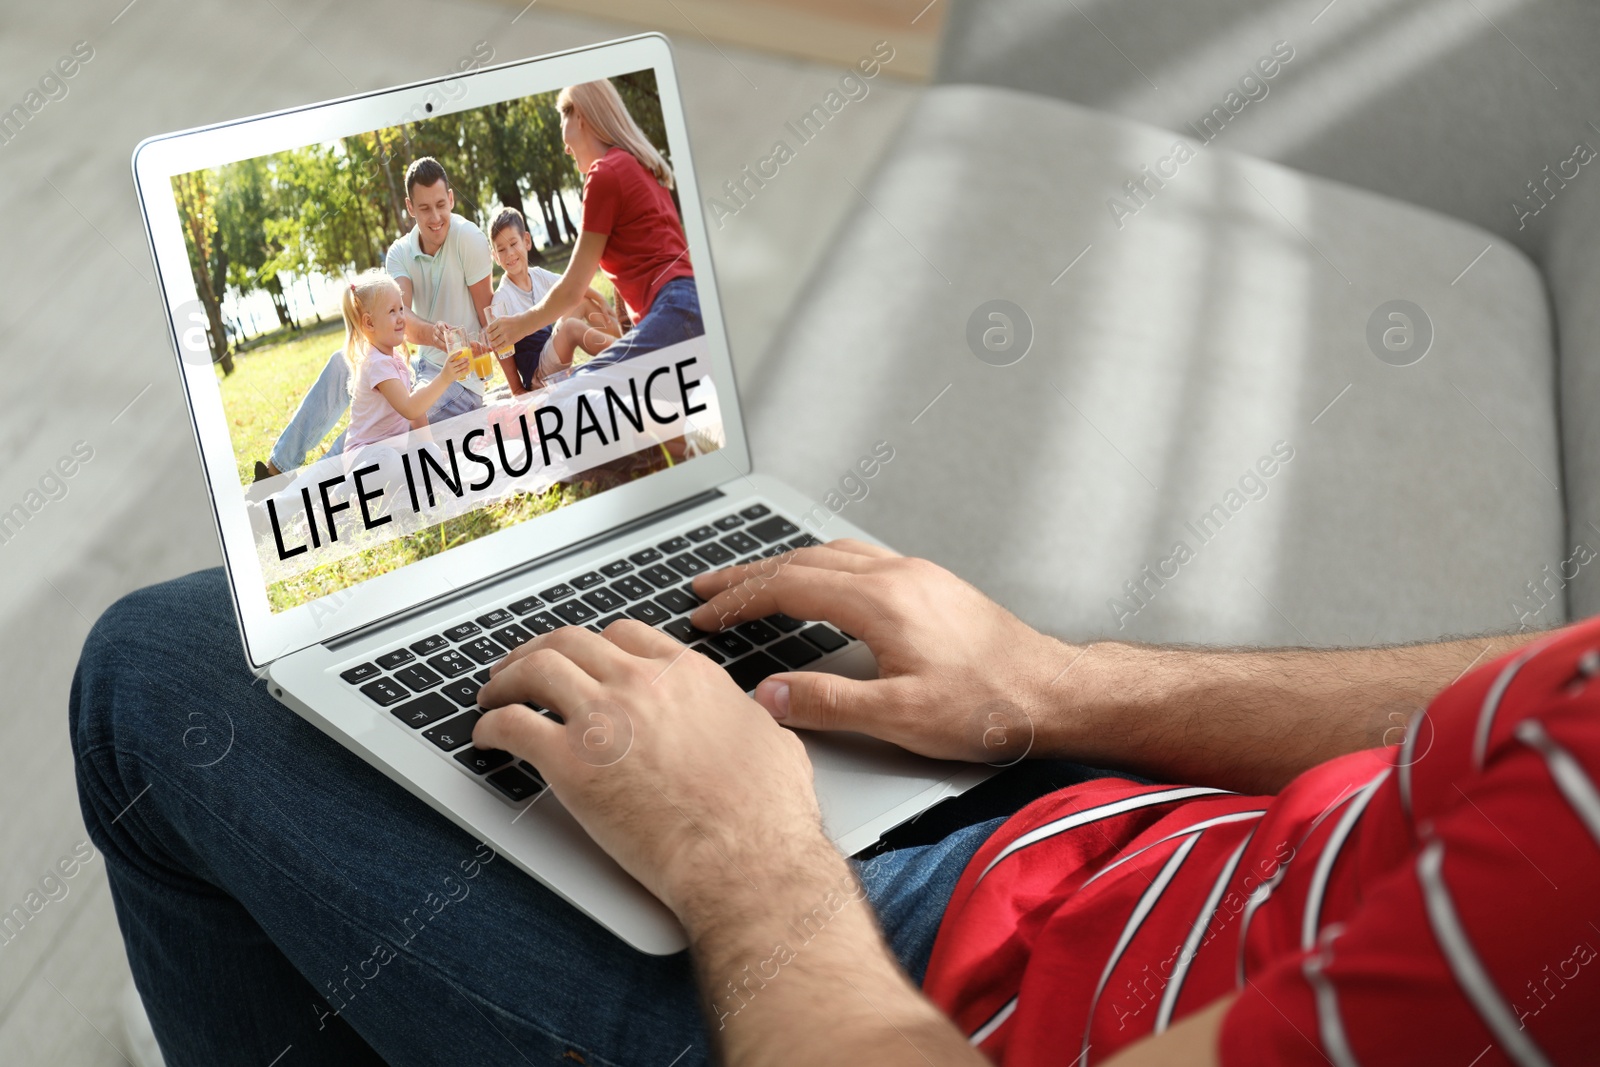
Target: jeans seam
152, 771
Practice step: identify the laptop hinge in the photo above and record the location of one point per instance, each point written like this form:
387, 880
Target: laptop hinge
615, 532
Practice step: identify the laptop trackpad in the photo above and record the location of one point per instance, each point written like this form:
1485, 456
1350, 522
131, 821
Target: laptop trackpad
866, 786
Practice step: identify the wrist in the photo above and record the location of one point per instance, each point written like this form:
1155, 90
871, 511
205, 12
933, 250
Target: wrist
717, 892
1097, 701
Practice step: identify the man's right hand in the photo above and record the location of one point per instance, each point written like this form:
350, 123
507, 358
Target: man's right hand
959, 676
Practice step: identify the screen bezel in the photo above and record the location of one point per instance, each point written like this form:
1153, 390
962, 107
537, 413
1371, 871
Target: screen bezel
268, 635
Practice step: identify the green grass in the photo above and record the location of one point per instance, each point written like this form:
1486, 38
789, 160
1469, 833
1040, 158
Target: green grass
266, 386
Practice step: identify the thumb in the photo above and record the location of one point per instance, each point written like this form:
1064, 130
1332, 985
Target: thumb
518, 729
817, 701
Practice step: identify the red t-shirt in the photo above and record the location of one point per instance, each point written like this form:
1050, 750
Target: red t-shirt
1436, 902
645, 247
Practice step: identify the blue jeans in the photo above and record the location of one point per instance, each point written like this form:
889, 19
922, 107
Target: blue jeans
317, 415
273, 890
674, 317
329, 398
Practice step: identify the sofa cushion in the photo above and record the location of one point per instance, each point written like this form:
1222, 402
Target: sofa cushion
1200, 443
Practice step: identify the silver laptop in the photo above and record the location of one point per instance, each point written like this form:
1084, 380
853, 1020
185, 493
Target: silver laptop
376, 584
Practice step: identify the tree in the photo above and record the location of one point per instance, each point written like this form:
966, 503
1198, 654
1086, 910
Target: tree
246, 198
195, 193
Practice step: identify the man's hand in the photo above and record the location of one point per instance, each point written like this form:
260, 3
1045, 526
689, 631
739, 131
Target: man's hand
678, 775
959, 676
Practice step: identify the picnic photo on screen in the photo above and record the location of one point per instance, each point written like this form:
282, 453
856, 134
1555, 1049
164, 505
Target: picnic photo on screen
436, 330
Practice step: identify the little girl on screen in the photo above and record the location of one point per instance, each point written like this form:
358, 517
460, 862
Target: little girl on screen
382, 401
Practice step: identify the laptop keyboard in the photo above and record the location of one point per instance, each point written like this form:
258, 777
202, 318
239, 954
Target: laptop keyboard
431, 684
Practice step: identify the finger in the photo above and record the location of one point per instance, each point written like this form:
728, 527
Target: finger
521, 731
634, 637
598, 658
545, 677
820, 556
862, 548
812, 700
803, 592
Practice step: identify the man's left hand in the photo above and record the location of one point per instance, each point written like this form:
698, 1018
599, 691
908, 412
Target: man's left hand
683, 779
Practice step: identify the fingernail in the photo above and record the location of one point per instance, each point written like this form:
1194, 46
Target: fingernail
777, 699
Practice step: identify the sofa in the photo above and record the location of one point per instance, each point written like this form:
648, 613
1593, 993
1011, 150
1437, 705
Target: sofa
1228, 323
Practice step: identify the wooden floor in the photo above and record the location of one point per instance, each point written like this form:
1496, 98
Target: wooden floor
826, 31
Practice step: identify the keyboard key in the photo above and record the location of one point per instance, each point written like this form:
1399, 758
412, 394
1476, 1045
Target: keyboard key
710, 653
451, 664
462, 632
645, 557
395, 659
775, 550
512, 636
728, 522
453, 733
688, 565
527, 604
684, 630
616, 567
608, 620
661, 577
823, 637
748, 672
674, 545
631, 588
793, 652
714, 554
648, 613
482, 760
429, 645
532, 771
481, 677
688, 591
774, 529
484, 650
804, 541
588, 580
359, 673
463, 691
423, 711
701, 533
417, 678
558, 592
603, 600
574, 612
515, 784
676, 601
384, 692
542, 623
783, 622
741, 542
497, 617
757, 631
755, 512
729, 644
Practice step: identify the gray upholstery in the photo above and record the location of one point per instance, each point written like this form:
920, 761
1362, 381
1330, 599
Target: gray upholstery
1451, 105
1222, 317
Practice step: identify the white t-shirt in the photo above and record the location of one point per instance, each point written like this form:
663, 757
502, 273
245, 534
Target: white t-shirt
510, 299
439, 283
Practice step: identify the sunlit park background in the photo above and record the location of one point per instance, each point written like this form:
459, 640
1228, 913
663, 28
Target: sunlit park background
272, 239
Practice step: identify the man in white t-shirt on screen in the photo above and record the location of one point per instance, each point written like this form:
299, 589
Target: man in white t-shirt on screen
548, 350
443, 267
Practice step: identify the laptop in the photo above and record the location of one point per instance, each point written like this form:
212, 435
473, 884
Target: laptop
376, 584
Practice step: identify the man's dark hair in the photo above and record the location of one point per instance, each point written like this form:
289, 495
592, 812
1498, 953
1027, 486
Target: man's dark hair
508, 217
425, 171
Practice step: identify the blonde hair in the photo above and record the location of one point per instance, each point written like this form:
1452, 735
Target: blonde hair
602, 108
357, 301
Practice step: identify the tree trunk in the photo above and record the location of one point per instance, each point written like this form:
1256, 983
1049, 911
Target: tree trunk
274, 288
572, 231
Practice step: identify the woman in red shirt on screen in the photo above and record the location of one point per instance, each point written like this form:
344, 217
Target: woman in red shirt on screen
630, 231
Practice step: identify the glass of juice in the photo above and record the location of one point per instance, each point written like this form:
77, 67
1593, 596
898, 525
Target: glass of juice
490, 314
482, 362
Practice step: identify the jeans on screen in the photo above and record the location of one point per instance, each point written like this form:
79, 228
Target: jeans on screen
674, 317
273, 890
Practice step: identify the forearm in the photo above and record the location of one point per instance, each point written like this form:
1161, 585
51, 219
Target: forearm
792, 970
419, 331
1246, 720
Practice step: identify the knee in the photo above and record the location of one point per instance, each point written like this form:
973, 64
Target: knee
140, 643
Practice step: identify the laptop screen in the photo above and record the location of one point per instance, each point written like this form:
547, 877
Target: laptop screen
440, 329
